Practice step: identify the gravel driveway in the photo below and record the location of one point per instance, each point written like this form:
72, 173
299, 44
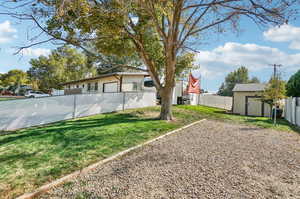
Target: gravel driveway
208, 160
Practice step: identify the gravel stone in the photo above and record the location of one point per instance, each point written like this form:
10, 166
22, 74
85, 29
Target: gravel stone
208, 160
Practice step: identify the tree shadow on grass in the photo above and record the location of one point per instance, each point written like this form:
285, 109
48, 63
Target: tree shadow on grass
15, 157
76, 126
269, 122
223, 114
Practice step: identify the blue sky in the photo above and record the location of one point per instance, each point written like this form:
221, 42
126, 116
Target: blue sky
254, 48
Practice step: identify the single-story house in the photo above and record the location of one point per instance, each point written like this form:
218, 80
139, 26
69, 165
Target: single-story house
247, 100
119, 79
108, 83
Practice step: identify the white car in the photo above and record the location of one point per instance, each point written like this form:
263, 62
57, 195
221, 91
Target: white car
33, 94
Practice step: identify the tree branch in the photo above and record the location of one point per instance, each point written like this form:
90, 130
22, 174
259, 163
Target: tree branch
20, 49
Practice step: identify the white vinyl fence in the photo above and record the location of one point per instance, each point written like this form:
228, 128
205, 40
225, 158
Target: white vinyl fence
16, 114
215, 101
292, 110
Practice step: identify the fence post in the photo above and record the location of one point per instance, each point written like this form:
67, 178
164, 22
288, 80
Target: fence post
296, 111
124, 100
285, 109
74, 107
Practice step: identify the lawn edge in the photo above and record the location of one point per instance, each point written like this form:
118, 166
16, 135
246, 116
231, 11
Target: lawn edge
69, 177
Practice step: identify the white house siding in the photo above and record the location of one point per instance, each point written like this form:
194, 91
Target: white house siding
129, 81
84, 85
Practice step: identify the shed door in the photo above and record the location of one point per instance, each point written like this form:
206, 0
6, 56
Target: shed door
254, 107
110, 87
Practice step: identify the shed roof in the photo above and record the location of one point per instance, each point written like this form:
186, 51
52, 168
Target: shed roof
249, 87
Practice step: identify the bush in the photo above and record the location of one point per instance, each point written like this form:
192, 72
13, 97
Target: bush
293, 85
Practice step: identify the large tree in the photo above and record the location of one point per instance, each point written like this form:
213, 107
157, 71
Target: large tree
159, 31
63, 64
239, 76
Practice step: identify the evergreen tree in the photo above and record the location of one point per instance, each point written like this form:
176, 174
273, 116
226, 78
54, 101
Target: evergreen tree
293, 85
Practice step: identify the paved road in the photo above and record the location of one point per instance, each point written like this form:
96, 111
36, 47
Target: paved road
208, 160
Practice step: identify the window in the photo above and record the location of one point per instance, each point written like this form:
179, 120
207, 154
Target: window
82, 85
96, 86
134, 86
69, 87
149, 83
77, 86
89, 86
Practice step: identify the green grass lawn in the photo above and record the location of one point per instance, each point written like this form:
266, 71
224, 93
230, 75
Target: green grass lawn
5, 99
31, 157
263, 122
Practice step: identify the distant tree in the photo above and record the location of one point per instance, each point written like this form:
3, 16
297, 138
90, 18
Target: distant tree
293, 85
254, 80
14, 78
222, 91
239, 76
63, 64
1, 84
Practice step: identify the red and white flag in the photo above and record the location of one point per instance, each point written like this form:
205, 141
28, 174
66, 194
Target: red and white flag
194, 85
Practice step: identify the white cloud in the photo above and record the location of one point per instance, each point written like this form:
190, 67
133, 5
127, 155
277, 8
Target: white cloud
35, 52
285, 33
7, 32
223, 59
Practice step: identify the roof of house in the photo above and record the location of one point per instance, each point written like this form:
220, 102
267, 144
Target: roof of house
107, 75
121, 68
249, 87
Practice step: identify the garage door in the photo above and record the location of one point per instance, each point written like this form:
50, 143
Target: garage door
110, 87
254, 107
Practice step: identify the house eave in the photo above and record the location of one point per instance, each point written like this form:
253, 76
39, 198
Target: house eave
116, 74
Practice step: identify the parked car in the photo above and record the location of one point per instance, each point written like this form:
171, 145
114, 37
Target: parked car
6, 92
33, 94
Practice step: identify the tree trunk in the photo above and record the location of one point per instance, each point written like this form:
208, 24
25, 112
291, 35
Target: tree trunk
166, 95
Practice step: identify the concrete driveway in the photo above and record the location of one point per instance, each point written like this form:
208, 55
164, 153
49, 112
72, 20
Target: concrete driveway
208, 160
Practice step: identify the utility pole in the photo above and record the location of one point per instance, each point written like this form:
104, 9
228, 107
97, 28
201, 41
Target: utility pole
275, 68
276, 79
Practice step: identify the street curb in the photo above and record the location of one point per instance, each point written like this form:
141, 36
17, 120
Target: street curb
60, 181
